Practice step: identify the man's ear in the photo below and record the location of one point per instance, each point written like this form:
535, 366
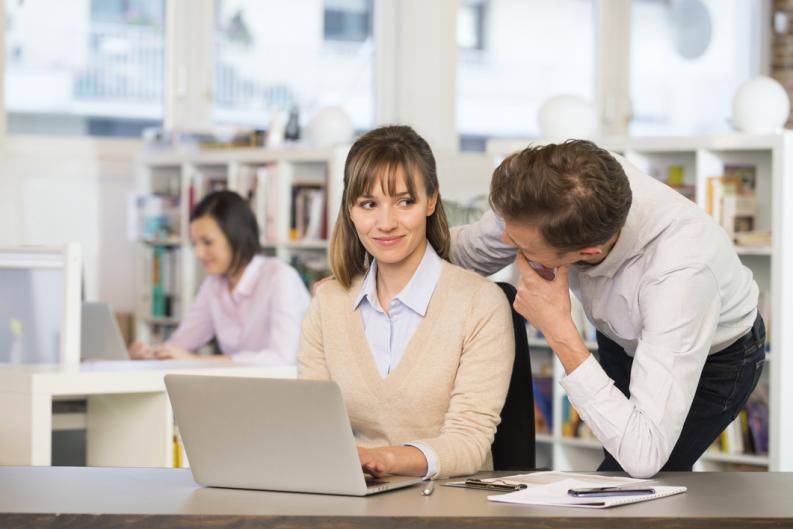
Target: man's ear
432, 203
590, 251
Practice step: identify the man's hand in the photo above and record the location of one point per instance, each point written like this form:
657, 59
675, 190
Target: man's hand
545, 303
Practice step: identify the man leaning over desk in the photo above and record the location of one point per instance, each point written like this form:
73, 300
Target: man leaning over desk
681, 344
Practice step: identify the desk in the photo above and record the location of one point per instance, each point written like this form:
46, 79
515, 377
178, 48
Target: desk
157, 498
129, 421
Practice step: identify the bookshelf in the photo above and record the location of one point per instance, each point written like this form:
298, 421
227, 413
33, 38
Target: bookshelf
689, 162
294, 191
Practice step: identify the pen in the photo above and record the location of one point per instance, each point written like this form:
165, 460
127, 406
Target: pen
489, 485
427, 488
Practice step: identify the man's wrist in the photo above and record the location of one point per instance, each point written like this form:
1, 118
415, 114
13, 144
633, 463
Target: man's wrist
569, 347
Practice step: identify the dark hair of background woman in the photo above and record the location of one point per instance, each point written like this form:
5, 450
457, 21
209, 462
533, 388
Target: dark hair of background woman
237, 222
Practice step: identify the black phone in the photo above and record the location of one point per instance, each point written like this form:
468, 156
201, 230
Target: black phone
610, 491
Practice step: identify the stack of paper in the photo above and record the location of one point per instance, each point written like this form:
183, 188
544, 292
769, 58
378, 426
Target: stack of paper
550, 488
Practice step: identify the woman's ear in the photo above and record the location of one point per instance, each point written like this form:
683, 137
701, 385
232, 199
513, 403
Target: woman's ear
432, 203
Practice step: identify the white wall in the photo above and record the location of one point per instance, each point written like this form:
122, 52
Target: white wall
57, 190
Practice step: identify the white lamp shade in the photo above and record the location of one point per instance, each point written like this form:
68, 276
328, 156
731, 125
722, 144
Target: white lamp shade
330, 126
567, 116
760, 105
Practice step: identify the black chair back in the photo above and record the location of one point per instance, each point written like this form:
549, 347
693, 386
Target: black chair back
513, 446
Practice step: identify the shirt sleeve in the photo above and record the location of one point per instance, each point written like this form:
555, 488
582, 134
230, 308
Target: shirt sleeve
478, 246
288, 305
429, 455
480, 386
196, 328
679, 314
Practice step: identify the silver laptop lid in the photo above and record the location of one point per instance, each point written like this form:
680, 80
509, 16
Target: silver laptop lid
271, 434
100, 335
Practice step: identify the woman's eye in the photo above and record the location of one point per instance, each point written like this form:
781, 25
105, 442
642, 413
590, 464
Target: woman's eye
367, 204
405, 202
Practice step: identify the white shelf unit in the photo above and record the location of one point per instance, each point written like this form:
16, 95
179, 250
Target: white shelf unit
702, 157
265, 175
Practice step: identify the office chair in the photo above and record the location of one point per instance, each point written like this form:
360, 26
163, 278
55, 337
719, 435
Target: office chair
513, 446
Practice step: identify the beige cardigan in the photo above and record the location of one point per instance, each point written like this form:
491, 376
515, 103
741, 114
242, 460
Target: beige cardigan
450, 385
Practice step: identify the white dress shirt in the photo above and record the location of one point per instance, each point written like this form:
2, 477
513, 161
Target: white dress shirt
671, 291
389, 334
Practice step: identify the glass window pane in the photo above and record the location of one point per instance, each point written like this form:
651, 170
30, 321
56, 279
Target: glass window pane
272, 56
530, 51
84, 66
688, 57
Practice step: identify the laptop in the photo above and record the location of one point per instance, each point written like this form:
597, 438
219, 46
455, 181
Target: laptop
100, 336
270, 434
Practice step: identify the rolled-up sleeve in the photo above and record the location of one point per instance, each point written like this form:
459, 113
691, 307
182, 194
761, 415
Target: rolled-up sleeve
679, 313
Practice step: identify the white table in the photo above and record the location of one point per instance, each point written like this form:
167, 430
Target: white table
129, 421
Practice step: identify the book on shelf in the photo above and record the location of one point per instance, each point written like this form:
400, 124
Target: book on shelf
165, 280
542, 389
265, 202
675, 178
732, 202
307, 219
573, 426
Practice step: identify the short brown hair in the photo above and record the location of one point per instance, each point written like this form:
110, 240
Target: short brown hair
384, 152
575, 193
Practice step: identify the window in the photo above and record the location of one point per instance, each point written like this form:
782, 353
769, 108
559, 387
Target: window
514, 55
273, 56
688, 58
347, 20
470, 25
86, 67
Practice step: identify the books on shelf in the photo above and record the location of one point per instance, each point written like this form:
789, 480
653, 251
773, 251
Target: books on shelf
164, 282
307, 219
542, 389
731, 200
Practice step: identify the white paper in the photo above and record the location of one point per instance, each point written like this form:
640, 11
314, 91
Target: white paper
550, 488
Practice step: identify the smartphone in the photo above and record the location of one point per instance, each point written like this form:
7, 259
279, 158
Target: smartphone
609, 491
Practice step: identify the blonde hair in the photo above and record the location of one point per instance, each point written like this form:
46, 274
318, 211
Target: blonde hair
383, 153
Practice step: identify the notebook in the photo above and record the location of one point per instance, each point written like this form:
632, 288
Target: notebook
550, 488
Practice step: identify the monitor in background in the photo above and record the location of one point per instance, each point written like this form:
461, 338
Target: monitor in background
40, 304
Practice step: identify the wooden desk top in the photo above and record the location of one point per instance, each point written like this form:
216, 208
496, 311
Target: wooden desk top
155, 498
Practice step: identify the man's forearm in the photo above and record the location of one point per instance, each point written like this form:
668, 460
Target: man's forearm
569, 347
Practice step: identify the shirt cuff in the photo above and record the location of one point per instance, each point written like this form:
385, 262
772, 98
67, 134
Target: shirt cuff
585, 382
429, 455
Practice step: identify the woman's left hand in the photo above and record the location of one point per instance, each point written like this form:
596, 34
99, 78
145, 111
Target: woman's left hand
375, 461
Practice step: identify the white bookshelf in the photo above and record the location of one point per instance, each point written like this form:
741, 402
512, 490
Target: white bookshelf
701, 157
268, 175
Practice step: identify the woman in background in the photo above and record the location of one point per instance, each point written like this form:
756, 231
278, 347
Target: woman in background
253, 305
421, 349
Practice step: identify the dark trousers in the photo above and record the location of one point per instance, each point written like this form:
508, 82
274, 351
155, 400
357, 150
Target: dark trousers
727, 380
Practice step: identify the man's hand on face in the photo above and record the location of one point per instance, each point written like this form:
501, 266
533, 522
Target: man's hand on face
544, 297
